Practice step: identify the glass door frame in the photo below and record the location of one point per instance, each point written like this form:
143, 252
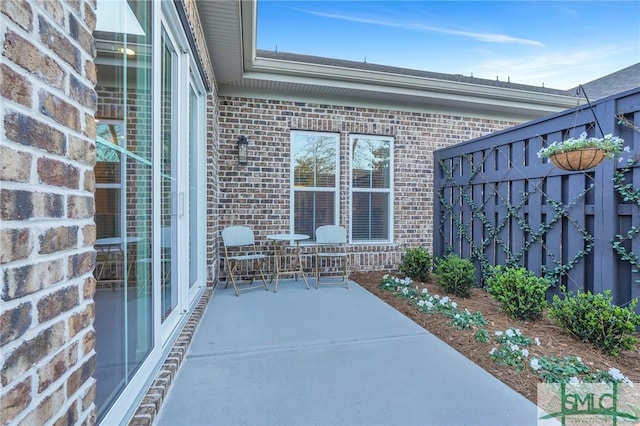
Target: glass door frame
165, 15
197, 120
187, 78
171, 28
162, 178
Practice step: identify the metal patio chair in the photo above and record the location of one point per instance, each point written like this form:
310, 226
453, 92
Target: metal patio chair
240, 246
331, 246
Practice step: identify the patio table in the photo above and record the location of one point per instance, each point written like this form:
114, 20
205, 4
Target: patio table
280, 255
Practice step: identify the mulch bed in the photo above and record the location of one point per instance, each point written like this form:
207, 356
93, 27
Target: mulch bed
554, 340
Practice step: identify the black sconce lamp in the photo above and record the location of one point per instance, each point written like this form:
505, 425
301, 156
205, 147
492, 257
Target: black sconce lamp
242, 150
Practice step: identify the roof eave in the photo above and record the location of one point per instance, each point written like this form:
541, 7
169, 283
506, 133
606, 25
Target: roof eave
271, 69
238, 66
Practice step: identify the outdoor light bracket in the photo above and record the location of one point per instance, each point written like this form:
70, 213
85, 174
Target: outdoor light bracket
242, 150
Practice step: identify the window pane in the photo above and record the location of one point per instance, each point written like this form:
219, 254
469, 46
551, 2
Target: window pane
314, 160
371, 183
123, 296
313, 209
370, 216
371, 163
108, 216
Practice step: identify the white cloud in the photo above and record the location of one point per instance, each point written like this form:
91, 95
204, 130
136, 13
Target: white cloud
479, 36
569, 12
559, 69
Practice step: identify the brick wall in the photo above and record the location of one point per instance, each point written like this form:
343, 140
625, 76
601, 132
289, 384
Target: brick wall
47, 154
258, 194
213, 188
195, 26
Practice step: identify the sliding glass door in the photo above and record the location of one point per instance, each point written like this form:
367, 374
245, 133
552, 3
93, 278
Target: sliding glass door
149, 194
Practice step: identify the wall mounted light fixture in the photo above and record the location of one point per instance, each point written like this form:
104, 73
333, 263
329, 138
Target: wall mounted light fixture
242, 150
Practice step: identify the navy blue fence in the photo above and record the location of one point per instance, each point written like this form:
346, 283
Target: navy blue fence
497, 203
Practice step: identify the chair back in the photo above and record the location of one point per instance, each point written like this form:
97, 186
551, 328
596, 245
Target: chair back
331, 234
237, 236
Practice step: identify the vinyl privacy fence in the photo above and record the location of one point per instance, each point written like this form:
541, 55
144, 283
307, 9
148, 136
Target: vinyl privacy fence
497, 203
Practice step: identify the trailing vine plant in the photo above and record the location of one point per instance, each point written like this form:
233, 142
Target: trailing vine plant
555, 274
462, 195
632, 196
493, 230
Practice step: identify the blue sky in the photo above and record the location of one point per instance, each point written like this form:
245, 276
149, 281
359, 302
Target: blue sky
558, 44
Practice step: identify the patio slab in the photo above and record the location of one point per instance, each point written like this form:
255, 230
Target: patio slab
330, 356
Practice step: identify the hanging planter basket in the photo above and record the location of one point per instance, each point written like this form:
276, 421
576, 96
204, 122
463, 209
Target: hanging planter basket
579, 159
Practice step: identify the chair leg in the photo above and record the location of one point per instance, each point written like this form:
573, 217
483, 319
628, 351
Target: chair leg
333, 263
228, 265
233, 266
260, 264
258, 268
346, 272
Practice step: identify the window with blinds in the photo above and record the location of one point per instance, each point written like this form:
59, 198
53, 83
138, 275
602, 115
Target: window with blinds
315, 179
371, 184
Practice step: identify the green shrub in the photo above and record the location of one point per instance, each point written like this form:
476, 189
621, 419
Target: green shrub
417, 264
519, 292
595, 319
456, 275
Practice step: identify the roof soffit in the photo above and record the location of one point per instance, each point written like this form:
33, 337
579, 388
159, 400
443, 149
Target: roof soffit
222, 30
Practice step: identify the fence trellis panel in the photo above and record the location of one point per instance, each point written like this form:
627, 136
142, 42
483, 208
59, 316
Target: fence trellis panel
497, 203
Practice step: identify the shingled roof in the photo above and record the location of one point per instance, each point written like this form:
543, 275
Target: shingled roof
617, 82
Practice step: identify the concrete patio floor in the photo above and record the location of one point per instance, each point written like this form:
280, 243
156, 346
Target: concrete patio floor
330, 356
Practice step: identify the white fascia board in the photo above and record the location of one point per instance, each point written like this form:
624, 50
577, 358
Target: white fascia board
428, 92
324, 75
519, 113
248, 32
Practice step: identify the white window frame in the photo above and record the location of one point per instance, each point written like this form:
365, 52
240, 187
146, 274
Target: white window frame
293, 189
389, 190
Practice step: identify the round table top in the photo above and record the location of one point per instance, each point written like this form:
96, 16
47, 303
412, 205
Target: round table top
288, 237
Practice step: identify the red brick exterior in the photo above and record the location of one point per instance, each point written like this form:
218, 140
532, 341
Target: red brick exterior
258, 194
46, 212
47, 206
213, 189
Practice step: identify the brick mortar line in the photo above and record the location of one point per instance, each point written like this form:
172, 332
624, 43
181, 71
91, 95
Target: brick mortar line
154, 397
